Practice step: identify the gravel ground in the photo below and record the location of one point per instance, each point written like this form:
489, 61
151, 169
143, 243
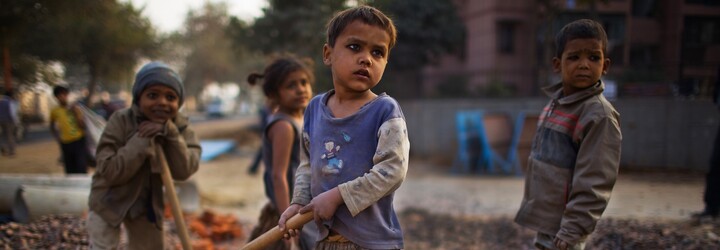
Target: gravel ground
423, 230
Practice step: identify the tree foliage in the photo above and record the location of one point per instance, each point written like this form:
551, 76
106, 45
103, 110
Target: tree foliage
16, 17
426, 30
105, 36
288, 26
211, 57
293, 26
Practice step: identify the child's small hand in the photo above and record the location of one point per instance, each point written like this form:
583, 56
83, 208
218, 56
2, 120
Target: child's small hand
289, 213
560, 244
149, 129
324, 205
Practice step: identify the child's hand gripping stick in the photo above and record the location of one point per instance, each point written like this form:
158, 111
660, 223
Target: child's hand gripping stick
276, 234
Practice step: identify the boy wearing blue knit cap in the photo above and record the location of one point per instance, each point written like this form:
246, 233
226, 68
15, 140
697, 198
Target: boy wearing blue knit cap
126, 186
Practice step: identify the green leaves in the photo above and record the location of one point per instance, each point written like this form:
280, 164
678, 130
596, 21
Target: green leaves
106, 36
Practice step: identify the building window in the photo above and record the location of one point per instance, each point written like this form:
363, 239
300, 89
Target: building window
704, 2
644, 8
506, 37
699, 33
644, 56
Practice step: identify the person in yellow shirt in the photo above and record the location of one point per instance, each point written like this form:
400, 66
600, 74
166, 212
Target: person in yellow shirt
66, 125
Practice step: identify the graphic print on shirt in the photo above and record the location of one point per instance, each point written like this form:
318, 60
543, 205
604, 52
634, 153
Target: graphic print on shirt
334, 165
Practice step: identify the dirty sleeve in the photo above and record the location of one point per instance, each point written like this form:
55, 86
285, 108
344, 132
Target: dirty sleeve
594, 176
118, 161
301, 189
182, 151
388, 172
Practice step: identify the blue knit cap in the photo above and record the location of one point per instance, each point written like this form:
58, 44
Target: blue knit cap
157, 73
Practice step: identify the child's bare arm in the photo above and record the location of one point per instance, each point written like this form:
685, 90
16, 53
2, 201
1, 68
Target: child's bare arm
182, 151
281, 135
594, 176
390, 166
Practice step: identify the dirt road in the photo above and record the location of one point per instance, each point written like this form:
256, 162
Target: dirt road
477, 206
224, 183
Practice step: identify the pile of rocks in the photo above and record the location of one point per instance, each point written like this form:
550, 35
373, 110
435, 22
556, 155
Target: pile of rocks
50, 232
208, 230
425, 230
636, 234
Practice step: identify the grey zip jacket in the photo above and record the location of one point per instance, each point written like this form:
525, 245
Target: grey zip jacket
573, 164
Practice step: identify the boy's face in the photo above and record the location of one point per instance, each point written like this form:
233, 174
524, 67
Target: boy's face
62, 98
358, 58
581, 64
295, 92
159, 103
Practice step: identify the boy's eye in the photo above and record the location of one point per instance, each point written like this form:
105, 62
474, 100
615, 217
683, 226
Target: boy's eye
378, 53
354, 47
572, 57
304, 82
152, 95
171, 97
594, 57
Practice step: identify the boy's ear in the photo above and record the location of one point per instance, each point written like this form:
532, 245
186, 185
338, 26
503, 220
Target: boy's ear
606, 66
327, 50
556, 64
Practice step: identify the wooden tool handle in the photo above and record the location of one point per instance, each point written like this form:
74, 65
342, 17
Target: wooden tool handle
275, 234
174, 202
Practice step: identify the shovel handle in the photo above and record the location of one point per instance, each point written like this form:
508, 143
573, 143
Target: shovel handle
174, 202
275, 234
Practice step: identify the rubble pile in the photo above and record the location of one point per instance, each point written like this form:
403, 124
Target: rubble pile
208, 231
635, 234
425, 230
211, 229
50, 232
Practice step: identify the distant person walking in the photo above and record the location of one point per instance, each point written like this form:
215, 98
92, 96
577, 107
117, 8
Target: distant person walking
8, 123
66, 125
712, 179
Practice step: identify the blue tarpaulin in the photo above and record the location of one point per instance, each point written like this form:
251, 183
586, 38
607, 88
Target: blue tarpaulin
214, 148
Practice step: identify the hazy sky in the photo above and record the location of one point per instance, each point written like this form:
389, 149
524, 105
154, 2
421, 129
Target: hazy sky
169, 15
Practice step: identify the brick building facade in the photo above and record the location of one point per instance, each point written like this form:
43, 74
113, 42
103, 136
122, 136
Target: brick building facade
652, 42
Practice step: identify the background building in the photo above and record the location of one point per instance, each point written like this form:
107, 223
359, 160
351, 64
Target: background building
657, 47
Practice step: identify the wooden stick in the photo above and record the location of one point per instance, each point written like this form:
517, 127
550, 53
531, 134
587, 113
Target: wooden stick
275, 234
174, 202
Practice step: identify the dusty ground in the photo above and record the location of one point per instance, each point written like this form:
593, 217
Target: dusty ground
443, 211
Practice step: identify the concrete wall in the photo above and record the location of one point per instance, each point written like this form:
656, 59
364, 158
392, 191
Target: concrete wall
657, 132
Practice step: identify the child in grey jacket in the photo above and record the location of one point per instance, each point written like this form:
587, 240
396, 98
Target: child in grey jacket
576, 152
126, 187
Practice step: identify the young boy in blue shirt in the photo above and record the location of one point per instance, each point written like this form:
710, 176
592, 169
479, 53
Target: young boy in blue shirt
575, 155
355, 147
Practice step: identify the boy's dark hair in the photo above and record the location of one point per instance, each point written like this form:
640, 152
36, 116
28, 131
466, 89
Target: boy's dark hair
60, 90
579, 29
278, 70
367, 15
